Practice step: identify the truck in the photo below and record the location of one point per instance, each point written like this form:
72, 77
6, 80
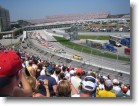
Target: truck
114, 43
127, 51
125, 42
100, 45
115, 40
109, 47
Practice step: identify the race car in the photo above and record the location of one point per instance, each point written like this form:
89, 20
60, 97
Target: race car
77, 57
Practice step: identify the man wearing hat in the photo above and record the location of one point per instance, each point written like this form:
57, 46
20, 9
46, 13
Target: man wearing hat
76, 80
107, 92
87, 87
10, 75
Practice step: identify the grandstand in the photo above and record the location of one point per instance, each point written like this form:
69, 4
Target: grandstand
70, 17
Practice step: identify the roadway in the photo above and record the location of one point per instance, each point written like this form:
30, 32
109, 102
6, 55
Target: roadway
102, 33
105, 63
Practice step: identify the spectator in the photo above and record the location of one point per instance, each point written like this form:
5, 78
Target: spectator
76, 80
30, 69
88, 87
116, 87
56, 74
39, 69
124, 91
51, 83
10, 73
64, 88
101, 84
128, 92
107, 92
61, 76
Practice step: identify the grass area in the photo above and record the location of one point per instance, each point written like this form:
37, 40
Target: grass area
94, 37
85, 49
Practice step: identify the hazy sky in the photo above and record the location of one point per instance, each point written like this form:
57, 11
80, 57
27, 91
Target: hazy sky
39, 9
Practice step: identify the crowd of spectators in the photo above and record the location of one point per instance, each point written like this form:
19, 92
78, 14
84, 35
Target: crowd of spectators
76, 17
26, 75
70, 17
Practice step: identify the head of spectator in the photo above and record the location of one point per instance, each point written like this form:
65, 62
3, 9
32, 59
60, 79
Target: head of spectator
94, 74
50, 69
61, 76
108, 85
89, 73
57, 71
30, 63
128, 86
101, 80
88, 86
64, 69
72, 73
115, 82
105, 78
63, 89
10, 72
79, 72
124, 89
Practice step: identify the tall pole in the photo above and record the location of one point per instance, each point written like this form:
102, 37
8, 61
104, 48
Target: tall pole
90, 57
82, 51
117, 59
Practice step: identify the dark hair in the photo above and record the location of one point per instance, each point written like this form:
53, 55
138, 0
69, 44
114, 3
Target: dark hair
57, 71
101, 80
108, 88
61, 75
40, 66
5, 81
35, 61
64, 68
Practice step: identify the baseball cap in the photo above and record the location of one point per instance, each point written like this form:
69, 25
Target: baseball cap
72, 72
10, 63
124, 89
108, 83
79, 71
115, 81
89, 83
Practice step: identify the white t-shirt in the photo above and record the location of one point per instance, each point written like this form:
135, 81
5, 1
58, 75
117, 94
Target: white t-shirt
43, 71
76, 82
101, 86
116, 89
55, 77
128, 92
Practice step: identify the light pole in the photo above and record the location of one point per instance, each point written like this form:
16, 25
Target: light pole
116, 59
82, 51
90, 57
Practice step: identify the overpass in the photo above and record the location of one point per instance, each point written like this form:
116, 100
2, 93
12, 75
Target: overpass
45, 26
13, 33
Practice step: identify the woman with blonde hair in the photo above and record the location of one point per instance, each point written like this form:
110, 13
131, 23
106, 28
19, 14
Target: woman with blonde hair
64, 89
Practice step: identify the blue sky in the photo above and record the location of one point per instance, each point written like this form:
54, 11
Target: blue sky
39, 9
